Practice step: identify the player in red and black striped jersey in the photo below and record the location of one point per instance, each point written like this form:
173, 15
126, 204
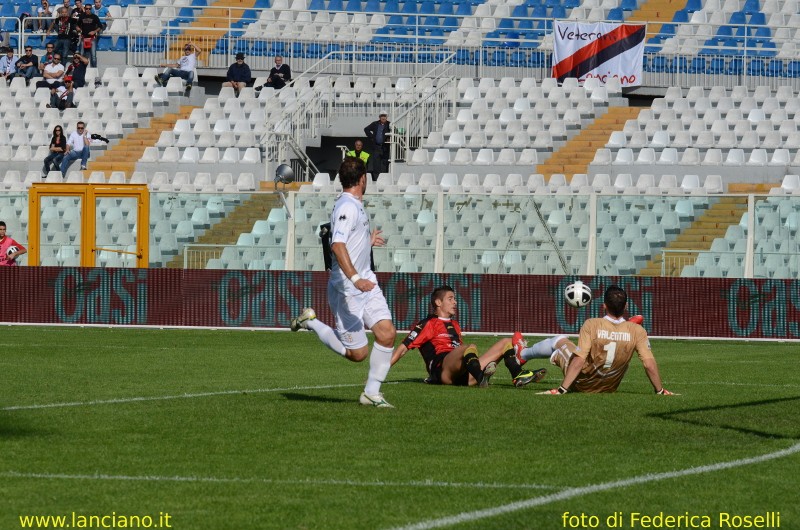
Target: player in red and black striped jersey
451, 362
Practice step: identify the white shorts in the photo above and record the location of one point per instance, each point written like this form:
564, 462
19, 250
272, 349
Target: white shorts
354, 314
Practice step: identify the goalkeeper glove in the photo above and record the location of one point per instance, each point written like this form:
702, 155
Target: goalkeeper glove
554, 391
665, 392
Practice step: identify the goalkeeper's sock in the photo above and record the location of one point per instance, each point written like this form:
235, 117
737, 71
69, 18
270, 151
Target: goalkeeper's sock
542, 349
472, 364
380, 360
327, 335
510, 358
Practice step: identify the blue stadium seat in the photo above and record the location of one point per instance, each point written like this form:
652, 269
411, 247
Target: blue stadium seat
693, 5
735, 66
278, 48
158, 44
497, 58
373, 6
658, 64
558, 12
792, 70
616, 14
450, 24
767, 49
518, 58
391, 6
445, 9
756, 67
628, 5
716, 66
761, 35
436, 37
758, 19
260, 48
775, 68
427, 8
104, 43
697, 66
140, 43
678, 64
121, 45
464, 10
221, 47
751, 6
521, 11
317, 5
241, 46
681, 16
262, 4
538, 59
353, 6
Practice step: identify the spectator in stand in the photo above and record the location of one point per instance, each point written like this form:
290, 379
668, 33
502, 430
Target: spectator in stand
103, 14
184, 68
76, 11
238, 75
28, 65
8, 65
77, 70
378, 132
47, 58
43, 13
10, 250
62, 97
358, 152
90, 27
77, 147
52, 73
58, 146
279, 76
66, 32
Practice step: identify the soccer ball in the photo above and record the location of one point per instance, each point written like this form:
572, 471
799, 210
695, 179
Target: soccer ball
578, 294
11, 250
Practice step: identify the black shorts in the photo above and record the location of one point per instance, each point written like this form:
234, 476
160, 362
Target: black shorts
434, 366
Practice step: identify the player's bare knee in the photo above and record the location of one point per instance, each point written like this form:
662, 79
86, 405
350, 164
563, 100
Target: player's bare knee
357, 355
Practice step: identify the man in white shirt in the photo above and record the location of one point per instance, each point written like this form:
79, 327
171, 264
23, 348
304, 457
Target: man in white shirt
184, 68
354, 297
52, 73
77, 147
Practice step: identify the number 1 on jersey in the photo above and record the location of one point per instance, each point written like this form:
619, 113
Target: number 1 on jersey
611, 352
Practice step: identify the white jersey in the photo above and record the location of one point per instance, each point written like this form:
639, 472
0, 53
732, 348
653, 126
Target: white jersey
350, 225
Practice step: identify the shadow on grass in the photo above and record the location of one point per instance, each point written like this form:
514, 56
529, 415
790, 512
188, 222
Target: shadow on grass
294, 396
14, 429
710, 419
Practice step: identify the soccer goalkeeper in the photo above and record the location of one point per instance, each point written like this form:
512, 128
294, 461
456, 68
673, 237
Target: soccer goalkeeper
604, 351
451, 362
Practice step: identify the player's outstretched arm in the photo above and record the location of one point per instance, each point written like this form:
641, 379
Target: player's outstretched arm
398, 353
651, 369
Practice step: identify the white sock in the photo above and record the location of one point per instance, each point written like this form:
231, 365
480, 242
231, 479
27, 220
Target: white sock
327, 335
380, 359
541, 350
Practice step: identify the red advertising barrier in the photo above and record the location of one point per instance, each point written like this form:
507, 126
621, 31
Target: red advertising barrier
678, 307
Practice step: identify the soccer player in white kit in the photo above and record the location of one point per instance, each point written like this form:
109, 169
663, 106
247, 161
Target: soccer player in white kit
355, 299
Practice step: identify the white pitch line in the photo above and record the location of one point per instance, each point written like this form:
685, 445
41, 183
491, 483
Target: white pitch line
139, 399
313, 482
469, 517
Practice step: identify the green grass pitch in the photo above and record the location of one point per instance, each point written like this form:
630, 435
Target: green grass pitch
249, 430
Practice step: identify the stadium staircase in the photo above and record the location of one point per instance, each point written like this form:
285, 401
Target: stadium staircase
237, 222
124, 155
655, 13
579, 151
698, 236
212, 23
